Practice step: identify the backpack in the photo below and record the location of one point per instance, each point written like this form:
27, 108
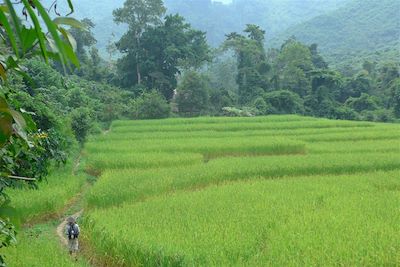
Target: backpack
73, 231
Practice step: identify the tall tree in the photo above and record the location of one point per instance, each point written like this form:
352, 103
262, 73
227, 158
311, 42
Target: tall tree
139, 15
291, 67
252, 62
317, 59
166, 49
192, 95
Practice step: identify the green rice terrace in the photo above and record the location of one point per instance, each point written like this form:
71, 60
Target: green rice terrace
262, 191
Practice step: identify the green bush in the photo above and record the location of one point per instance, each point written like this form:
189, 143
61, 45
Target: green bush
284, 102
345, 113
151, 105
364, 102
81, 122
262, 108
192, 95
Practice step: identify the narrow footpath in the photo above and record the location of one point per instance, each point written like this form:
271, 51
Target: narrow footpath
61, 227
75, 209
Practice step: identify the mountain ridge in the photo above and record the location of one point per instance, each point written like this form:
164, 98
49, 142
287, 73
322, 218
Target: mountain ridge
361, 27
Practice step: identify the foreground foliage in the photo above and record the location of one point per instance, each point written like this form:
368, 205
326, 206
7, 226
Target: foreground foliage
47, 38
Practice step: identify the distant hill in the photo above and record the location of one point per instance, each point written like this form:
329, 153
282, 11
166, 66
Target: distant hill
361, 28
345, 30
274, 16
214, 17
100, 12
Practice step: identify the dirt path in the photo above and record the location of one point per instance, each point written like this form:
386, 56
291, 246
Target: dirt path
61, 228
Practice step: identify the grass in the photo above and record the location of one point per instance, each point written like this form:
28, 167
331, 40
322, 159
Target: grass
281, 125
102, 161
38, 247
265, 191
184, 135
211, 120
53, 194
379, 134
209, 147
118, 186
368, 146
349, 220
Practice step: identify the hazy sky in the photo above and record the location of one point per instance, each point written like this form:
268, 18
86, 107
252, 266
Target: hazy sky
223, 1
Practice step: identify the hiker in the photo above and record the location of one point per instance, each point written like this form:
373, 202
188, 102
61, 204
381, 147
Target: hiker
72, 232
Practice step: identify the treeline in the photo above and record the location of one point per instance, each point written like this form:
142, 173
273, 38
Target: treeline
166, 68
171, 71
296, 79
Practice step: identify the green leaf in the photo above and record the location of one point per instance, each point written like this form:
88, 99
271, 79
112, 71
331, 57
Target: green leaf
53, 31
12, 63
38, 29
28, 38
15, 19
3, 105
70, 22
9, 31
30, 124
54, 56
18, 118
52, 45
5, 122
68, 36
4, 8
71, 55
71, 6
7, 117
21, 132
3, 72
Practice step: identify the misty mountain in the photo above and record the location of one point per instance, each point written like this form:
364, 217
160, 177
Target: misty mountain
361, 28
274, 16
343, 29
214, 17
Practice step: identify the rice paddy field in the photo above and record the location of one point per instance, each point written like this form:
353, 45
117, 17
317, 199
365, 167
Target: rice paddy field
264, 191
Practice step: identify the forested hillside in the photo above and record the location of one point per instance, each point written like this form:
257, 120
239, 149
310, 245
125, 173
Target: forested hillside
274, 16
346, 31
359, 30
213, 17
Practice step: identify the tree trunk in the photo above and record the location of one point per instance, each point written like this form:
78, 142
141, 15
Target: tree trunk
139, 77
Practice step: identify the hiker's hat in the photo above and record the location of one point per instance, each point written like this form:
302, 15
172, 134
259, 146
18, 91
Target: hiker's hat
71, 220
